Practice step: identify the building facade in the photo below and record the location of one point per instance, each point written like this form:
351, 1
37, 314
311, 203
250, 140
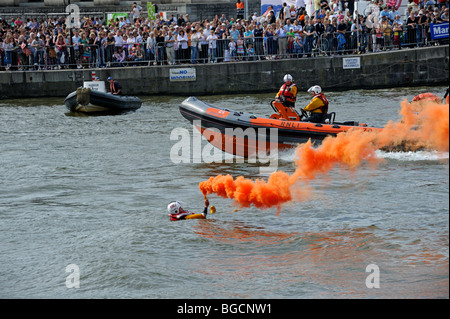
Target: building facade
197, 9
8, 3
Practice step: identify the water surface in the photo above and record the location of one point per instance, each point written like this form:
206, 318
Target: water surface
93, 191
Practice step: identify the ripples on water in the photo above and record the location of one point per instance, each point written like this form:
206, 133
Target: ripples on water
92, 191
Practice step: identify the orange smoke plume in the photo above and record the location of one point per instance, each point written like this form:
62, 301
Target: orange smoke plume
348, 148
434, 127
424, 125
246, 192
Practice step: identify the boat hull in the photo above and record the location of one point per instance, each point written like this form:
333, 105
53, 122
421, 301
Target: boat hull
244, 134
100, 102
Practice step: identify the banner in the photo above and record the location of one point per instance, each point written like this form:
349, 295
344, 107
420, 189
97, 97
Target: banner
278, 5
113, 16
151, 11
439, 31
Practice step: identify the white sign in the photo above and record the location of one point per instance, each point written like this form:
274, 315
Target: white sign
95, 85
183, 74
351, 63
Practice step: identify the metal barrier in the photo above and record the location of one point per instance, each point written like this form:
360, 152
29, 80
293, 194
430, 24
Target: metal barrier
14, 57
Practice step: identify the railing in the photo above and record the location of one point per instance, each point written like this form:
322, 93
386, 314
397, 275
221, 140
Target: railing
213, 51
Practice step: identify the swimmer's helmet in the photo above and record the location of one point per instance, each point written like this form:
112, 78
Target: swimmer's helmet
174, 207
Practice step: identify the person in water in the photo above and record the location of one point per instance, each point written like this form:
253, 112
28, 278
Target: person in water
176, 212
318, 107
288, 91
114, 86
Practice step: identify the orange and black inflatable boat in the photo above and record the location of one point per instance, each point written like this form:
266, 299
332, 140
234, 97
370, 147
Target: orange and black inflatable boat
246, 134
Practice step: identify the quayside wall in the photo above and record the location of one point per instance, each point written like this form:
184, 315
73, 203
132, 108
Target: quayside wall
406, 67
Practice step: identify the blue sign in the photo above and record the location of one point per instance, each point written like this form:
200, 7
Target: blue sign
439, 31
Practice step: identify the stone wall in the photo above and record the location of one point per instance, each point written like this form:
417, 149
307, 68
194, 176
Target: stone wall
424, 66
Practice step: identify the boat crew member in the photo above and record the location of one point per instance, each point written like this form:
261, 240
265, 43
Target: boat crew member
288, 91
176, 212
114, 86
318, 107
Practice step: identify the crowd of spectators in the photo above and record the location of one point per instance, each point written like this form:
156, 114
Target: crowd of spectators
290, 33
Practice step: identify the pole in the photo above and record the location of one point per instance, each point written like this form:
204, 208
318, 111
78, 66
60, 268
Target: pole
246, 9
358, 34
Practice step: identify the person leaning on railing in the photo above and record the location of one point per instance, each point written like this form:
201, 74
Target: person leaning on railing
119, 57
309, 30
25, 54
170, 41
136, 55
109, 45
420, 26
61, 50
387, 29
93, 44
38, 45
50, 52
258, 35
298, 47
151, 48
183, 48
411, 23
85, 50
398, 34
330, 34
101, 43
365, 36
356, 31
7, 48
161, 50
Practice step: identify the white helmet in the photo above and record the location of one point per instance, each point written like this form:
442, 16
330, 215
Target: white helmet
288, 77
315, 89
174, 207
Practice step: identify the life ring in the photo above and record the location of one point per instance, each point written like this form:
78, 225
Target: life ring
427, 96
275, 116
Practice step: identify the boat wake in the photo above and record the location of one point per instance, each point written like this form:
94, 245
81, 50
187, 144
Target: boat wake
289, 155
414, 156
